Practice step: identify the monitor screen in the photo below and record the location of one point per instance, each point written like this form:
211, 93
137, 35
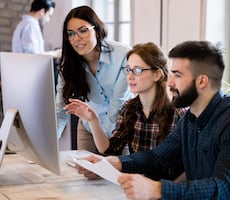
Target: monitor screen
28, 94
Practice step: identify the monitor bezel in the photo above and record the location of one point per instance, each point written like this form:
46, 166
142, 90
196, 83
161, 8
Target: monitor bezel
22, 75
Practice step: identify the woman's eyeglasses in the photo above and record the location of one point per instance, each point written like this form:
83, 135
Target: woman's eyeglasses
137, 71
82, 33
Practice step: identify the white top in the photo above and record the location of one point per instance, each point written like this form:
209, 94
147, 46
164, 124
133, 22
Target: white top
27, 37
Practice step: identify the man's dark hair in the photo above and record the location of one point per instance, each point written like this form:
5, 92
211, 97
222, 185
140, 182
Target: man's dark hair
40, 4
205, 58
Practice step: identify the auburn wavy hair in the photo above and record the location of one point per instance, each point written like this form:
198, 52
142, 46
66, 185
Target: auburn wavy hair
152, 55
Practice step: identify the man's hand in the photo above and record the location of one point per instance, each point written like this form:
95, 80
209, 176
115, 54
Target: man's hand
138, 187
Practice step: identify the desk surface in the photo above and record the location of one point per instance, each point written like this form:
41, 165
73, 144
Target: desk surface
21, 180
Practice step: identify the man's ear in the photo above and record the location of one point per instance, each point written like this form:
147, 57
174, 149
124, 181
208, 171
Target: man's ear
202, 81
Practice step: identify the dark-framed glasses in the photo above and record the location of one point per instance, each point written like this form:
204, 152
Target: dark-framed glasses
137, 71
82, 32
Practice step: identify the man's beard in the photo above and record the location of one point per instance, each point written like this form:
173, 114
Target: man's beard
187, 97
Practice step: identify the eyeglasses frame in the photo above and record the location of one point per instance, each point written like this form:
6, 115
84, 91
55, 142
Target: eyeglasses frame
135, 67
77, 32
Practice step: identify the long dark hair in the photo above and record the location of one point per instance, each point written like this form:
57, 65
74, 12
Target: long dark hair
72, 64
154, 57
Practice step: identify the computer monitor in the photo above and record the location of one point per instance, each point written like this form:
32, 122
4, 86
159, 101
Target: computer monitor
29, 126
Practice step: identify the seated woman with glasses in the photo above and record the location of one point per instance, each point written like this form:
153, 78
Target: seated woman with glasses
91, 71
146, 119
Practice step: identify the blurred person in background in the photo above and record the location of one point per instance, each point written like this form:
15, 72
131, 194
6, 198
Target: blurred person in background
27, 37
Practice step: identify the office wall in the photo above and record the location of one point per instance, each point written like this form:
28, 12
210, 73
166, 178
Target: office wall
216, 30
167, 22
146, 18
10, 14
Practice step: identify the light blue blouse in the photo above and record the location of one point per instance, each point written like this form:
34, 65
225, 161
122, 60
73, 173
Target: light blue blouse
108, 89
27, 37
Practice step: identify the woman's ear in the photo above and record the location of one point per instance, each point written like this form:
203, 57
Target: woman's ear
158, 75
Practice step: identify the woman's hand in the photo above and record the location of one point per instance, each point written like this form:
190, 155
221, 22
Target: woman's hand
88, 174
80, 109
113, 160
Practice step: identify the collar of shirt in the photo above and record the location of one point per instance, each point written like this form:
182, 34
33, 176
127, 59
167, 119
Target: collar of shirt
30, 18
208, 111
104, 57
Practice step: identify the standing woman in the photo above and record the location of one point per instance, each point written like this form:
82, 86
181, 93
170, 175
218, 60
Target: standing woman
145, 120
90, 71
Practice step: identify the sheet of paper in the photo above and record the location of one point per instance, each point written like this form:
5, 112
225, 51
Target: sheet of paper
102, 168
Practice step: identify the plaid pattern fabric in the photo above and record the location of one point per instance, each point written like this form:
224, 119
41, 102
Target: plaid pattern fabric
144, 134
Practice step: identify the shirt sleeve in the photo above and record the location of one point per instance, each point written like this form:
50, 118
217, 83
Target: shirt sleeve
62, 117
118, 139
155, 163
215, 187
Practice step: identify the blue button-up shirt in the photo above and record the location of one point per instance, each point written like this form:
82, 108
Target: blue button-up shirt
201, 146
27, 37
108, 89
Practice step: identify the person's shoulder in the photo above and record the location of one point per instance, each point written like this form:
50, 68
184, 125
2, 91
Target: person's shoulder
27, 22
118, 46
226, 99
222, 107
222, 110
29, 18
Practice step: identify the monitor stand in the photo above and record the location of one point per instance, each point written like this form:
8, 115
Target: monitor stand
7, 123
10, 118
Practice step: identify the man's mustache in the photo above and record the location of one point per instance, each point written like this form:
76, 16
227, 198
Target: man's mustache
171, 89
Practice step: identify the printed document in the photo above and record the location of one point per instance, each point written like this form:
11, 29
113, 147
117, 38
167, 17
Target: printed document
102, 168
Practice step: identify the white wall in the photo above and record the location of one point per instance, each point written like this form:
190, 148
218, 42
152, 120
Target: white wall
217, 27
181, 20
146, 21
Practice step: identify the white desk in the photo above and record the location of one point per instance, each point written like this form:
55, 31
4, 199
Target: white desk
44, 185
